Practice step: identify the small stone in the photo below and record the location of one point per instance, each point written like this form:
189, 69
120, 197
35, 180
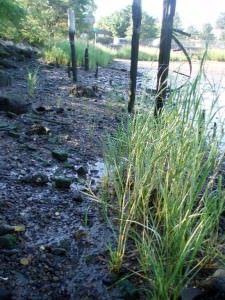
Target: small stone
61, 155
31, 147
7, 241
216, 282
58, 251
5, 229
190, 293
40, 179
62, 182
59, 110
13, 134
77, 196
82, 171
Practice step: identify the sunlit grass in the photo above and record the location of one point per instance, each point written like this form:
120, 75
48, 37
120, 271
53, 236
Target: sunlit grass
161, 176
59, 52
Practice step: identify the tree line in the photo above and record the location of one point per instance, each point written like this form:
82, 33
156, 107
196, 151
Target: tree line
119, 24
37, 21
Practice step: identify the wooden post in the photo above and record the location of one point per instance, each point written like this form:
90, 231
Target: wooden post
86, 60
136, 16
169, 8
71, 25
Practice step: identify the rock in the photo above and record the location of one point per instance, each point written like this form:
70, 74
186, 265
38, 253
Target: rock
5, 229
39, 179
190, 293
7, 63
61, 155
13, 134
36, 179
5, 79
40, 110
83, 91
7, 241
215, 283
77, 196
5, 294
59, 110
62, 182
58, 251
38, 129
14, 104
82, 171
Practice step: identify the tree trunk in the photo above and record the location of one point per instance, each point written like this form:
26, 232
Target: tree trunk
136, 15
169, 7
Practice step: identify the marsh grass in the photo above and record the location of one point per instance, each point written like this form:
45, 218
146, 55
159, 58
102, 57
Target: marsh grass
152, 54
148, 54
32, 81
161, 173
59, 52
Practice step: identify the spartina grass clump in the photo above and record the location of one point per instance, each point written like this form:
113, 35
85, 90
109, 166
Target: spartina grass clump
32, 81
162, 175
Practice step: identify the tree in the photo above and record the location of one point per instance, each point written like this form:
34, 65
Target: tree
193, 31
149, 28
220, 24
177, 23
207, 32
11, 13
117, 23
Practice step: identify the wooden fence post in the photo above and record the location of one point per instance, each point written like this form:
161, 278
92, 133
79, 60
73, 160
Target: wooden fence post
136, 16
86, 59
169, 8
71, 25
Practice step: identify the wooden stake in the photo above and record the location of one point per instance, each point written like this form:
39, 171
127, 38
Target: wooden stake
136, 16
86, 60
71, 25
169, 7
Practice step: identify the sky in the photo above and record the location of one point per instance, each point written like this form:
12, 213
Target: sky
192, 12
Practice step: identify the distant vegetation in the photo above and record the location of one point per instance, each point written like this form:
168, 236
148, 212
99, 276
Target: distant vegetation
59, 52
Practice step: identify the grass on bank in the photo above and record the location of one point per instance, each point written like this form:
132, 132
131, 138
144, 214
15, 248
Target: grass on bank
152, 54
161, 175
59, 52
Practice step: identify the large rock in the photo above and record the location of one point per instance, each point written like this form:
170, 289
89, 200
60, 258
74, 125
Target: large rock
5, 79
14, 104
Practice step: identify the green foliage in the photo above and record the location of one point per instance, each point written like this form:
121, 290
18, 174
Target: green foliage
59, 52
32, 80
149, 28
161, 174
43, 19
148, 54
118, 23
11, 14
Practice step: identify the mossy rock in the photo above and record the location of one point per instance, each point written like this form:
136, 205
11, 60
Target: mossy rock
62, 182
8, 241
61, 155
